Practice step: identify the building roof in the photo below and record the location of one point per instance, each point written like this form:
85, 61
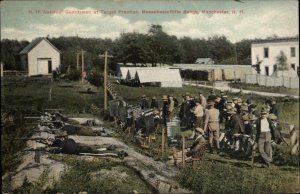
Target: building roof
276, 40
158, 75
34, 43
203, 60
129, 72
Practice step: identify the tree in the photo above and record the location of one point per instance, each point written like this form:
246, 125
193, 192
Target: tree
281, 60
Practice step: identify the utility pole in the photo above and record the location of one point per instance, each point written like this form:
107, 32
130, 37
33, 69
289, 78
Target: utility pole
82, 66
105, 77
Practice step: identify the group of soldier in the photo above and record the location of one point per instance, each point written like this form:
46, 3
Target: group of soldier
244, 126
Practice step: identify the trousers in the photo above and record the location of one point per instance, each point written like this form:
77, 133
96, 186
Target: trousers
264, 146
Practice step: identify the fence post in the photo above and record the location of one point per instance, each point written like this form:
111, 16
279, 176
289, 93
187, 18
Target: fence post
183, 148
162, 141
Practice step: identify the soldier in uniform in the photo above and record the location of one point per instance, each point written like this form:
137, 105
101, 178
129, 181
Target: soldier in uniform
154, 103
202, 100
165, 109
264, 135
171, 107
65, 145
212, 125
199, 113
144, 102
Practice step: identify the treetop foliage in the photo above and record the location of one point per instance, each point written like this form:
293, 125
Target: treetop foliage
155, 47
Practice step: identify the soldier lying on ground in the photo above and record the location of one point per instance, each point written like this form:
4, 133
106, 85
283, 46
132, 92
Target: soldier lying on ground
63, 144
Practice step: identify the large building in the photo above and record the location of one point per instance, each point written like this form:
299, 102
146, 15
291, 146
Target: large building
264, 53
40, 57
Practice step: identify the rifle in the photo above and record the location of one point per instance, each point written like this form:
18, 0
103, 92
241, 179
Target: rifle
52, 131
33, 138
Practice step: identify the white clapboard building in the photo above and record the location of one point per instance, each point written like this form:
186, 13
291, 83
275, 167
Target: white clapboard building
264, 53
40, 57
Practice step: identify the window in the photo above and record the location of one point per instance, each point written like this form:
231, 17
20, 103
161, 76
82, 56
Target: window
274, 68
267, 71
266, 52
293, 66
293, 51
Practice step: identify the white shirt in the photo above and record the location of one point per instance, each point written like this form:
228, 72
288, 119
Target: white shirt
264, 125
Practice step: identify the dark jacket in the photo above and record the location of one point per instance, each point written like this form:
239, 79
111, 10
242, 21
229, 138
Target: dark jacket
274, 109
236, 124
258, 128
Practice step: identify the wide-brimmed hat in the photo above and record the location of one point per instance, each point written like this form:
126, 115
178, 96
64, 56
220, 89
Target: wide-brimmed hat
231, 111
240, 100
154, 97
244, 108
143, 96
224, 96
165, 97
272, 116
187, 94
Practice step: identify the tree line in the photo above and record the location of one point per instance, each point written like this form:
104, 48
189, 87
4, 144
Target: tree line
155, 47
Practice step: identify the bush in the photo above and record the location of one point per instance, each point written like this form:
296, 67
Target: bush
95, 78
74, 75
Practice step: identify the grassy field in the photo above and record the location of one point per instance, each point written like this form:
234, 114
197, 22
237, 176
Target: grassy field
19, 99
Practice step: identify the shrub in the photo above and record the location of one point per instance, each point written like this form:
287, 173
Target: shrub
95, 78
74, 75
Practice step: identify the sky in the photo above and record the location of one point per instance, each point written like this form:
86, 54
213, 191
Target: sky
26, 20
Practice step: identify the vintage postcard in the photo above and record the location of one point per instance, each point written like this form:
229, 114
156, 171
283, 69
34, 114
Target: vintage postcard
150, 96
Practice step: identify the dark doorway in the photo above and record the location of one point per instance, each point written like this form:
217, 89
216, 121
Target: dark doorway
267, 71
223, 74
49, 66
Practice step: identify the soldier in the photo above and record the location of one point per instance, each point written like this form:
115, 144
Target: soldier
235, 103
212, 96
252, 110
212, 125
144, 102
263, 137
202, 100
171, 107
274, 109
238, 106
154, 103
197, 144
65, 145
165, 109
199, 113
189, 105
236, 127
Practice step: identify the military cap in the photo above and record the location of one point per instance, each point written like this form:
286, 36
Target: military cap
224, 96
272, 116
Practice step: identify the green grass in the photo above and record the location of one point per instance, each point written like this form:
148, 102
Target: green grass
82, 176
214, 177
19, 100
256, 87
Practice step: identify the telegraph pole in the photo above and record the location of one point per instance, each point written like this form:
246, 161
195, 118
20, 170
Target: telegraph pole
105, 77
82, 66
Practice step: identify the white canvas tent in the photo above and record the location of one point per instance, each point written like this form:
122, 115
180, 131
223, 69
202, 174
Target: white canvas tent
166, 77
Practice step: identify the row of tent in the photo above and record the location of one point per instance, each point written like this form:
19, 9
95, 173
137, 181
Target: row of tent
159, 76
